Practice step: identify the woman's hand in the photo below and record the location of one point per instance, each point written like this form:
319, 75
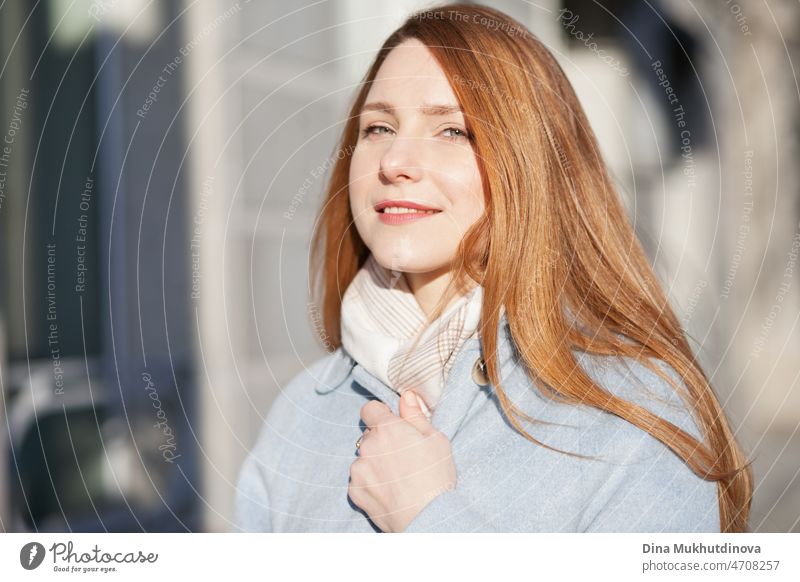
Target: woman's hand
403, 464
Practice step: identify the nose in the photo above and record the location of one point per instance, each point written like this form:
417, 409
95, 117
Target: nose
402, 160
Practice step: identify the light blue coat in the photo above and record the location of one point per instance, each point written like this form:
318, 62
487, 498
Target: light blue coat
295, 479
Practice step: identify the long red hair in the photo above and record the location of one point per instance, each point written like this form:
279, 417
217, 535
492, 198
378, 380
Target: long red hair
554, 239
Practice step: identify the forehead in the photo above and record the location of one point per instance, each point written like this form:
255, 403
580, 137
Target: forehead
410, 76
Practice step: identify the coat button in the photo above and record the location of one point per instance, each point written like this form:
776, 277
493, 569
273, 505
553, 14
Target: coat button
479, 373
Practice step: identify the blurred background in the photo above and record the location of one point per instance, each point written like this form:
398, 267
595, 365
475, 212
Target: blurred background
161, 163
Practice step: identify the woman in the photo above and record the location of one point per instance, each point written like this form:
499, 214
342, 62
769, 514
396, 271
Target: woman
493, 281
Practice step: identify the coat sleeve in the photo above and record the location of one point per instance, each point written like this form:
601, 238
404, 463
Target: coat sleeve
251, 504
451, 512
649, 488
654, 491
253, 508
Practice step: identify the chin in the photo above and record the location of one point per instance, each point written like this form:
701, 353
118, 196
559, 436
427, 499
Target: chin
410, 262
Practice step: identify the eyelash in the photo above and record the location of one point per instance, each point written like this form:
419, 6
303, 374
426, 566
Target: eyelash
367, 131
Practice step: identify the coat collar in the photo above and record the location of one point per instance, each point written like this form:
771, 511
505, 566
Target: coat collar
461, 390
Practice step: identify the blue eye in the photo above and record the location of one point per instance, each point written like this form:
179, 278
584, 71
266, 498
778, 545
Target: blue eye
460, 131
367, 131
383, 130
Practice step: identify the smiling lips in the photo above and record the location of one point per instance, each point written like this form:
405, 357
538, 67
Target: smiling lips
402, 211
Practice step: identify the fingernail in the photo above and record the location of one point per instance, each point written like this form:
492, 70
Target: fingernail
424, 407
411, 398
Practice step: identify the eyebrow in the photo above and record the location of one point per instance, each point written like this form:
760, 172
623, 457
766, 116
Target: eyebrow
426, 109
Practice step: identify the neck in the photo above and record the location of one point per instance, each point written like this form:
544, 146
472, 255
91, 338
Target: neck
428, 288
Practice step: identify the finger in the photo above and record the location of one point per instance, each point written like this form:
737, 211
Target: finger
364, 446
358, 489
361, 474
374, 413
411, 411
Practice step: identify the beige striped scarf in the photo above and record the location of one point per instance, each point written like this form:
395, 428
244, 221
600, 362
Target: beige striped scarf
380, 323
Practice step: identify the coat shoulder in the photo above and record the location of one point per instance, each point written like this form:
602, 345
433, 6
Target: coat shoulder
632, 380
299, 395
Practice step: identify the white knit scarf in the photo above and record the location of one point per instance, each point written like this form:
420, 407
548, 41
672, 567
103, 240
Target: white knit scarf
381, 319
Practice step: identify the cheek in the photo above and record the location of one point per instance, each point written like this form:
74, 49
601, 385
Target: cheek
358, 186
465, 191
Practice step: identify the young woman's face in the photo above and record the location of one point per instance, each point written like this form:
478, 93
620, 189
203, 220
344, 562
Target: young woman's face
413, 147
